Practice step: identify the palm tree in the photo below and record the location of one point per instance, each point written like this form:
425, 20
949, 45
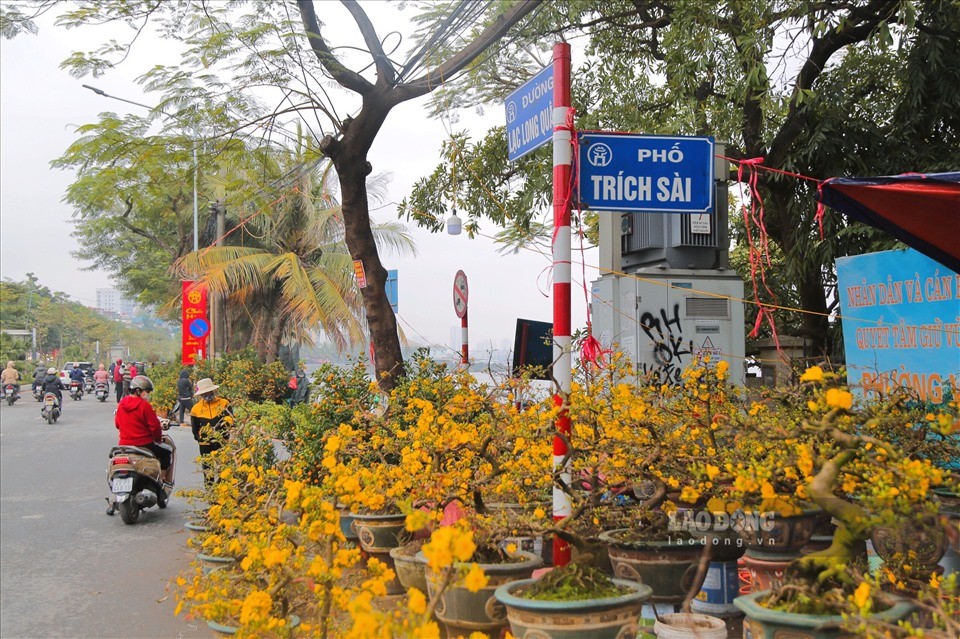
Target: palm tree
286, 270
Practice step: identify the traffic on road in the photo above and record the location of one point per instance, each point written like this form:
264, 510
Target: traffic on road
68, 569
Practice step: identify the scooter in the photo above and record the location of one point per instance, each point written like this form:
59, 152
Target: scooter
38, 393
10, 393
76, 390
87, 385
51, 407
101, 391
134, 478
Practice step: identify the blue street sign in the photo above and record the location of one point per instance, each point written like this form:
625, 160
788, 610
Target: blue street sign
529, 112
647, 173
199, 328
392, 289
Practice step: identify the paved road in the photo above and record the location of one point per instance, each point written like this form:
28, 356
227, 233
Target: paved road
66, 569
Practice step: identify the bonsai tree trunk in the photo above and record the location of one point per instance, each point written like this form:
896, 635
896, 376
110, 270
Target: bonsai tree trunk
852, 528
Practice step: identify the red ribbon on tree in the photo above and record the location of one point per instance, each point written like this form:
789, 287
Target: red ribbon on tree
759, 250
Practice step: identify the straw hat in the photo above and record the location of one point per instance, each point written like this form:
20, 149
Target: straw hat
205, 386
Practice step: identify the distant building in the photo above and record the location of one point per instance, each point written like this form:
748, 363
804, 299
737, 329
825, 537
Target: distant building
112, 303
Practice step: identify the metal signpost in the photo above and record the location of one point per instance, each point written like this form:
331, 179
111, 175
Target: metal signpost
460, 292
529, 115
647, 173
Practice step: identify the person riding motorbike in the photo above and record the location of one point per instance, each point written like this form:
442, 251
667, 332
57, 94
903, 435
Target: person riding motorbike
51, 384
76, 375
210, 419
38, 376
139, 425
11, 375
101, 375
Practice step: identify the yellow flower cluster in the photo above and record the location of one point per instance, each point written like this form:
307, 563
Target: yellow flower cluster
448, 544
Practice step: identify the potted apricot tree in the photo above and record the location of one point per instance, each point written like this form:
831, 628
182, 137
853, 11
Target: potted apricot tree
869, 466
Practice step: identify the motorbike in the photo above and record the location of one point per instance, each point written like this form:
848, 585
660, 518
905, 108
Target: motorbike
38, 393
51, 407
11, 393
76, 390
101, 391
87, 385
134, 478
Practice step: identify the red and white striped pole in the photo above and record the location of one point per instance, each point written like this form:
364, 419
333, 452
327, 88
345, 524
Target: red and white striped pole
464, 341
562, 163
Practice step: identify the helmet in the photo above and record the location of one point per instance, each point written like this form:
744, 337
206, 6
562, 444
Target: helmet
142, 382
51, 371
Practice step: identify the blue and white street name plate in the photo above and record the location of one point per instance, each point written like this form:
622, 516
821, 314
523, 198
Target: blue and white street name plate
529, 112
648, 173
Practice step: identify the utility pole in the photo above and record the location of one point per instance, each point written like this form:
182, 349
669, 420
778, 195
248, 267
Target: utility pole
218, 322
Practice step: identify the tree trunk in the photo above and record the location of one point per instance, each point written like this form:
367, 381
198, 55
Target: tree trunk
350, 159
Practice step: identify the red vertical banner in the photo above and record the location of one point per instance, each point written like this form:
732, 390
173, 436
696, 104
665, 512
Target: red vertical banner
195, 321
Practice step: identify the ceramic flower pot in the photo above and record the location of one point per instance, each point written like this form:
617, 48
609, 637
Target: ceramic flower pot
922, 541
378, 534
669, 567
225, 629
463, 612
346, 523
686, 625
601, 618
411, 571
766, 569
209, 563
773, 533
765, 623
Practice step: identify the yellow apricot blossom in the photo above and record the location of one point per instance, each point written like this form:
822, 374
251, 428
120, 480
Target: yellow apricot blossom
475, 579
837, 398
861, 596
256, 607
812, 374
416, 601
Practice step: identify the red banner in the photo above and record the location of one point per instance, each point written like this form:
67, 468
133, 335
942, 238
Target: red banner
196, 323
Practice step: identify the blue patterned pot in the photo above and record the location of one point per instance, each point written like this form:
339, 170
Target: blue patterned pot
764, 623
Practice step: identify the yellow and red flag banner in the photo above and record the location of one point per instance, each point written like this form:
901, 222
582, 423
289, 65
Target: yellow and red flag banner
196, 323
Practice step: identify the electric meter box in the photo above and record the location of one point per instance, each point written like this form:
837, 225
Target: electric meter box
662, 319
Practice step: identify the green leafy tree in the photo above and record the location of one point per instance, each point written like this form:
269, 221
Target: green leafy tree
819, 89
235, 49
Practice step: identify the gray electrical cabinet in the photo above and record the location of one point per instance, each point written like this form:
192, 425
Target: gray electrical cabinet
662, 319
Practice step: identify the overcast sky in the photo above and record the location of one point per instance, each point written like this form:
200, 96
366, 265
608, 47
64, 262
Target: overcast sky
40, 105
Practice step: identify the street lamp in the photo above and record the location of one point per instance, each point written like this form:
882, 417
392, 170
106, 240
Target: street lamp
454, 224
196, 232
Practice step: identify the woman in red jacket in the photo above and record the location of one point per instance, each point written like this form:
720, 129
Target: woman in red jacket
138, 423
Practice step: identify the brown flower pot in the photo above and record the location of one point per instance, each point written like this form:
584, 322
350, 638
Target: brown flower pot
920, 541
777, 534
669, 566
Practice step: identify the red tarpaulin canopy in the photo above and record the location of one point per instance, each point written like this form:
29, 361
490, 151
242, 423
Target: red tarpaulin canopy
922, 211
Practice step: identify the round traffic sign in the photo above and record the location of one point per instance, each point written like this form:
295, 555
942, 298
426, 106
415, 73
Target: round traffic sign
199, 328
460, 294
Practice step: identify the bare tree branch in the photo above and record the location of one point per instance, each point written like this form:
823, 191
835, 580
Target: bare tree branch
385, 69
344, 76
